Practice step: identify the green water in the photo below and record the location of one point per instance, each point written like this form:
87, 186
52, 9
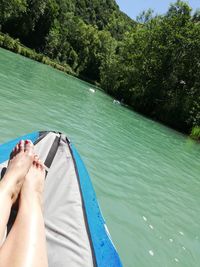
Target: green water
146, 176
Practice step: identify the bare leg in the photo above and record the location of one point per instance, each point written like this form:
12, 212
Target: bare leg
18, 166
26, 242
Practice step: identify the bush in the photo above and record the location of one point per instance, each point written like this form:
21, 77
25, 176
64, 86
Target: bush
8, 42
1, 40
195, 134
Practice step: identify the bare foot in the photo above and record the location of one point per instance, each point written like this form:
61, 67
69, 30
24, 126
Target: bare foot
19, 164
34, 180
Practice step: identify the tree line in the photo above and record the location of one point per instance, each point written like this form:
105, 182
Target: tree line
153, 64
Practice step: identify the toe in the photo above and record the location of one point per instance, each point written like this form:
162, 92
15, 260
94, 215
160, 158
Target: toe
13, 153
17, 149
36, 158
41, 165
29, 147
38, 162
20, 146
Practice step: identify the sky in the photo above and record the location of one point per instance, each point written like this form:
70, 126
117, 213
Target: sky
134, 7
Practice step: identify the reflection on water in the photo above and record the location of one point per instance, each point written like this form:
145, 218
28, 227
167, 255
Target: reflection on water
146, 176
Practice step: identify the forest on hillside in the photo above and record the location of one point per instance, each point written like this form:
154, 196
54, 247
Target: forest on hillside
153, 64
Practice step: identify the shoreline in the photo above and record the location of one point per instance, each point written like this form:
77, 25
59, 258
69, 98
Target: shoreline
15, 46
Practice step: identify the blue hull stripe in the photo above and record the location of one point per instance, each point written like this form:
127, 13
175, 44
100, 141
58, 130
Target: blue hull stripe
105, 252
5, 149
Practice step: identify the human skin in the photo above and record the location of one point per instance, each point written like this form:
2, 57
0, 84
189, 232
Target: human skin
25, 245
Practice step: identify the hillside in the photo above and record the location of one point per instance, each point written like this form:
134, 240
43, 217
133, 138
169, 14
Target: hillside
31, 21
153, 65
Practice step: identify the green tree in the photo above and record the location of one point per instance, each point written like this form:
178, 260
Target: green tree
12, 8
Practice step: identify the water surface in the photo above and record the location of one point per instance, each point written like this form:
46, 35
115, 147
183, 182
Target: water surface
146, 176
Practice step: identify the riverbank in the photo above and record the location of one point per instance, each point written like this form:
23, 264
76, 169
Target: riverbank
15, 46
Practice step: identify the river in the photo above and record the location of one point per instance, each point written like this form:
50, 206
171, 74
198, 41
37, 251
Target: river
146, 176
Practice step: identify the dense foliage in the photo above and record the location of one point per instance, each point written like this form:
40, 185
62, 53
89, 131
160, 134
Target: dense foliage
14, 45
157, 68
153, 65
